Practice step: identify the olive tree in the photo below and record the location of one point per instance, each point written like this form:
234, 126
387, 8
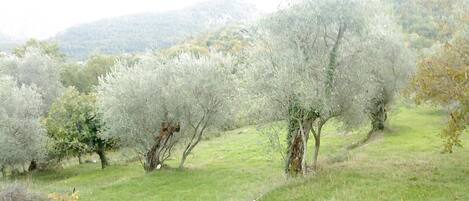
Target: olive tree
137, 110
160, 102
390, 72
35, 69
312, 65
22, 139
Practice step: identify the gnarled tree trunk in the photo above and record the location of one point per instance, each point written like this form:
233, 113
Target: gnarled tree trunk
297, 154
299, 126
32, 166
155, 156
151, 159
378, 115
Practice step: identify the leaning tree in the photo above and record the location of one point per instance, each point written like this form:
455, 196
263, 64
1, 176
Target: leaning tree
22, 139
313, 65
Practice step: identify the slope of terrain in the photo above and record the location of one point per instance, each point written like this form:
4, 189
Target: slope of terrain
140, 32
404, 163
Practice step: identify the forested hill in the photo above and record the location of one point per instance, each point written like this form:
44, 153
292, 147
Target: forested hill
137, 33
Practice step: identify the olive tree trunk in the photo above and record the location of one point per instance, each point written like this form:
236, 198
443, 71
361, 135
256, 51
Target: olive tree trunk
161, 148
317, 142
297, 149
80, 160
4, 172
195, 139
151, 159
295, 154
378, 116
32, 166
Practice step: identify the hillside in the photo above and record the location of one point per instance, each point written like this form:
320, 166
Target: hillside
427, 22
403, 164
137, 33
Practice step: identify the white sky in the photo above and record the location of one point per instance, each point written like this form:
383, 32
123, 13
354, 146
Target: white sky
44, 18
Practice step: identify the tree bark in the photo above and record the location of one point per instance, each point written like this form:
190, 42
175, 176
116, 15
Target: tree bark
80, 160
101, 151
102, 157
330, 70
183, 160
296, 156
4, 173
317, 142
378, 116
297, 153
192, 144
32, 166
151, 158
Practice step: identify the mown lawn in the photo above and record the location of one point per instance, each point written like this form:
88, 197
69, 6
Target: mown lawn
404, 163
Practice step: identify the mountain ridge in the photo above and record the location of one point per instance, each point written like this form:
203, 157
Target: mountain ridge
144, 31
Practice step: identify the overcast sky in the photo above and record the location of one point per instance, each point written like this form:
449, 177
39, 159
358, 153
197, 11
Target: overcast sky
44, 18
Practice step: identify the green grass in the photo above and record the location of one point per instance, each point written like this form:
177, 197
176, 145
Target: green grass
404, 163
231, 167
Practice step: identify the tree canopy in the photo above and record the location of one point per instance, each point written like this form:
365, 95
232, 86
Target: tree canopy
74, 126
22, 138
442, 79
315, 62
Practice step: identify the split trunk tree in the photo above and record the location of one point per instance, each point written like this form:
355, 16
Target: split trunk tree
161, 148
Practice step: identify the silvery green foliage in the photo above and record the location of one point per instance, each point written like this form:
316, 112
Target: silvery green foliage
206, 88
301, 44
22, 138
390, 72
135, 100
35, 69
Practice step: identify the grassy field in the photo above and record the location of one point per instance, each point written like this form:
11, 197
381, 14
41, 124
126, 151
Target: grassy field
404, 163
